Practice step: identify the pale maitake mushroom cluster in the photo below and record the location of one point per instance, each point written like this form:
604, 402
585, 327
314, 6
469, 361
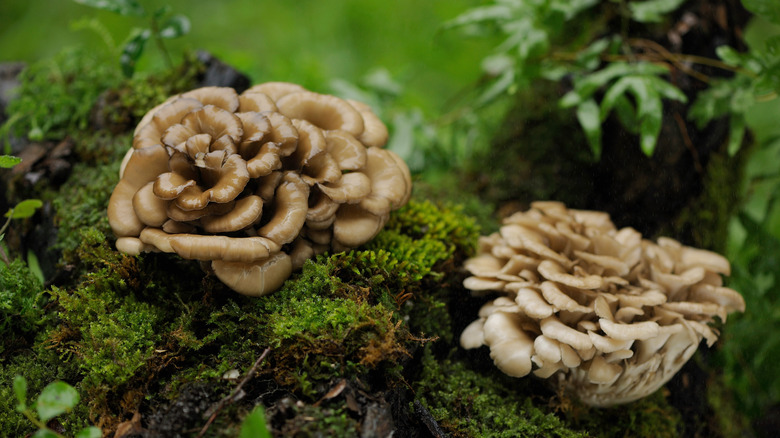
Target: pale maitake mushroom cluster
612, 315
256, 183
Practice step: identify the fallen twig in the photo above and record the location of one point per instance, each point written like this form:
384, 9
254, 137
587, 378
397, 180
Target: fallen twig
230, 397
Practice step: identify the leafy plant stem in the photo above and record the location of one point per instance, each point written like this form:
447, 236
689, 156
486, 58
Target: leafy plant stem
7, 222
677, 59
160, 45
38, 423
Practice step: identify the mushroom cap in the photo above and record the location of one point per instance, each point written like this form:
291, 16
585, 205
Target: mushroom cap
390, 181
510, 347
254, 279
614, 316
374, 131
324, 111
290, 205
355, 226
239, 180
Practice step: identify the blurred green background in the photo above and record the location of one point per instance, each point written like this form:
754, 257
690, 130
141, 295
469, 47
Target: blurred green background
308, 42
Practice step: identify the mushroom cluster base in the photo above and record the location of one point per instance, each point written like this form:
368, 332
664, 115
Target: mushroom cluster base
607, 314
256, 183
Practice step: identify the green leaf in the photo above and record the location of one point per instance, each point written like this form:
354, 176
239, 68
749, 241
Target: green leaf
572, 8
772, 45
121, 7
89, 432
713, 102
161, 12
665, 88
729, 55
737, 129
254, 425
8, 161
20, 389
35, 266
649, 128
56, 398
588, 116
614, 92
132, 50
766, 9
588, 85
175, 27
769, 81
652, 11
479, 15
24, 209
627, 114
494, 65
45, 433
499, 87
590, 57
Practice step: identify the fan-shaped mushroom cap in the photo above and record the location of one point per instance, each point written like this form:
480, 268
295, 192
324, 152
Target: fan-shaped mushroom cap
144, 165
150, 209
614, 316
254, 279
324, 111
349, 153
275, 90
374, 131
390, 181
131, 245
285, 167
245, 213
291, 205
225, 98
355, 226
230, 249
510, 347
164, 116
351, 188
256, 101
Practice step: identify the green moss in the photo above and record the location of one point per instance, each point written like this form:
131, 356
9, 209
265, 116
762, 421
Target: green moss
448, 224
468, 403
40, 368
318, 421
56, 95
115, 325
21, 304
103, 326
705, 221
730, 421
81, 204
649, 417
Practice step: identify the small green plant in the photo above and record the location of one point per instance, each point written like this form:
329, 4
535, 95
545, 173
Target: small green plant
254, 424
22, 210
162, 25
56, 398
616, 74
56, 96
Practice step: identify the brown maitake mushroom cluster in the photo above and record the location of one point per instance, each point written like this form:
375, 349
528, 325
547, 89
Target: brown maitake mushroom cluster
612, 315
256, 183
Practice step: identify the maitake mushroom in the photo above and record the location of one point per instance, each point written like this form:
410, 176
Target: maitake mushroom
612, 315
256, 183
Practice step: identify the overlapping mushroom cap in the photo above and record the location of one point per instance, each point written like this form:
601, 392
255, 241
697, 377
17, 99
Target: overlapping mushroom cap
612, 315
256, 183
